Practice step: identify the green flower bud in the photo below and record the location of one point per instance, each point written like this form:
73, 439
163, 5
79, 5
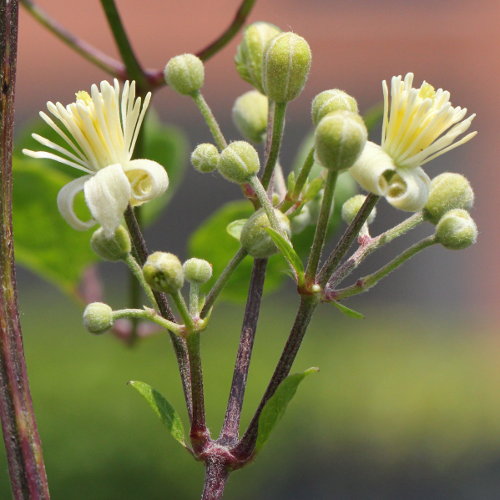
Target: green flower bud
197, 270
351, 207
163, 272
250, 115
256, 240
250, 52
98, 317
339, 139
448, 191
113, 248
205, 158
185, 74
329, 101
456, 230
287, 61
239, 162
301, 220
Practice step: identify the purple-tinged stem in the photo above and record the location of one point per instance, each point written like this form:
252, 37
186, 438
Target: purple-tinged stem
216, 474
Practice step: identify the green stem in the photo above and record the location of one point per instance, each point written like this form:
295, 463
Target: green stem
275, 128
183, 311
136, 270
367, 282
150, 315
300, 182
321, 227
134, 69
210, 120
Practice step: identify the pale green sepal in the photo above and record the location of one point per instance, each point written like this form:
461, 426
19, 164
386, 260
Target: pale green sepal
163, 409
234, 228
347, 310
277, 404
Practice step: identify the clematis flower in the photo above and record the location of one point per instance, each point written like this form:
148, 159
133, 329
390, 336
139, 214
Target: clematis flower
99, 132
419, 125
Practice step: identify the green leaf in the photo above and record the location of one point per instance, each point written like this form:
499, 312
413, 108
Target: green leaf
212, 242
163, 409
287, 250
373, 116
347, 310
234, 228
275, 407
44, 241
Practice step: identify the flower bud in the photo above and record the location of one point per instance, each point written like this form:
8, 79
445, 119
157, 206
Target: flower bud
352, 206
239, 162
448, 191
256, 240
339, 139
301, 220
98, 317
287, 61
205, 158
113, 248
185, 74
250, 52
197, 270
456, 230
329, 101
163, 272
250, 115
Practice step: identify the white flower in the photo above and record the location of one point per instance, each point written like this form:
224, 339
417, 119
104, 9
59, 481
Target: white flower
100, 131
419, 125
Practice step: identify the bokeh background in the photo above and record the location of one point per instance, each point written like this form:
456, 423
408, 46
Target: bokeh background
406, 404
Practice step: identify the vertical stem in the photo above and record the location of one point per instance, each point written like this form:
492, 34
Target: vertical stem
229, 432
20, 433
210, 120
216, 474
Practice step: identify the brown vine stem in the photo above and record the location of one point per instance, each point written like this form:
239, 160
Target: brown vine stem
22, 441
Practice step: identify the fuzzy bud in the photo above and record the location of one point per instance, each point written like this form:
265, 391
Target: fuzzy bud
185, 74
339, 139
250, 115
301, 220
163, 272
256, 240
197, 270
456, 230
352, 206
329, 101
448, 191
98, 317
112, 248
205, 158
239, 162
250, 52
287, 61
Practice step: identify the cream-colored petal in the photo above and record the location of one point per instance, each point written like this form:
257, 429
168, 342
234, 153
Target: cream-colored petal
65, 202
148, 180
370, 168
408, 189
107, 195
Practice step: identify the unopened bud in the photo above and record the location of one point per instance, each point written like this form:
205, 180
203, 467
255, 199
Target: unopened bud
113, 248
205, 158
98, 317
250, 115
250, 52
448, 191
301, 220
339, 139
185, 74
456, 230
256, 240
352, 206
239, 162
287, 61
329, 101
197, 270
163, 272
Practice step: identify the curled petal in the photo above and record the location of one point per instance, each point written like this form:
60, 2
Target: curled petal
370, 167
408, 189
148, 180
107, 194
65, 201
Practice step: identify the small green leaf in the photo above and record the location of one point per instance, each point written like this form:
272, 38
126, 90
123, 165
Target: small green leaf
277, 404
313, 188
290, 182
234, 228
287, 250
163, 409
347, 310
